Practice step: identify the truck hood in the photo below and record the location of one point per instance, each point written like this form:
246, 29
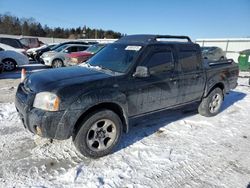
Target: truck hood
49, 80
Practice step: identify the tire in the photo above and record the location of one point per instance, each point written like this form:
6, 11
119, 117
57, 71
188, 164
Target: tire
211, 105
222, 58
9, 64
57, 63
1, 67
99, 134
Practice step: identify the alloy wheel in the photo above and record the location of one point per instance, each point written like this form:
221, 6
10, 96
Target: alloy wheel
101, 135
215, 103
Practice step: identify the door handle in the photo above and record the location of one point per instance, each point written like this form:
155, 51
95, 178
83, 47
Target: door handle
197, 76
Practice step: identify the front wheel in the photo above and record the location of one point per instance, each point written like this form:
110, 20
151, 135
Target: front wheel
211, 105
9, 65
99, 134
57, 63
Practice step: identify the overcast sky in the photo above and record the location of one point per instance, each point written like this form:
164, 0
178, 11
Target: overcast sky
196, 18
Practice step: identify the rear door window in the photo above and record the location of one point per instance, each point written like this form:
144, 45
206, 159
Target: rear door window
72, 49
189, 61
82, 48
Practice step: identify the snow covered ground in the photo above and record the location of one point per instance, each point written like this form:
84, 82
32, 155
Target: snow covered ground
168, 149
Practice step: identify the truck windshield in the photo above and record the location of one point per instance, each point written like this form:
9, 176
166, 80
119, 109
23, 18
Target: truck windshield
115, 57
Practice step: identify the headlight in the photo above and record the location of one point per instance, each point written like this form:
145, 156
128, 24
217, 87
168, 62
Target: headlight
46, 101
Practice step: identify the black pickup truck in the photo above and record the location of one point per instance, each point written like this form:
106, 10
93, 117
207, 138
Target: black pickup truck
134, 76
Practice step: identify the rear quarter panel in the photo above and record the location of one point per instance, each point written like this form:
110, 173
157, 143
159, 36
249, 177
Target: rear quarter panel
225, 74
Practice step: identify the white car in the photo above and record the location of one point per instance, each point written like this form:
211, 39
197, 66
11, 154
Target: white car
12, 57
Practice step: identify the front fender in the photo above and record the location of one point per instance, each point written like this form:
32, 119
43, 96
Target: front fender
97, 97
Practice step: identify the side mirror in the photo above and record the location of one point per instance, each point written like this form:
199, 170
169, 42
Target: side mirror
66, 51
141, 72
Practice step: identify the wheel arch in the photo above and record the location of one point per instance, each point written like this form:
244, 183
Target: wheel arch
217, 85
57, 58
9, 58
116, 108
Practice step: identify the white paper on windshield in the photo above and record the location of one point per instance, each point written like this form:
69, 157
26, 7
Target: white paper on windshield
133, 48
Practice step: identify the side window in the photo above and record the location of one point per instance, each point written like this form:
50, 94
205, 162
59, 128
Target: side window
25, 41
189, 61
82, 48
34, 42
70, 49
160, 62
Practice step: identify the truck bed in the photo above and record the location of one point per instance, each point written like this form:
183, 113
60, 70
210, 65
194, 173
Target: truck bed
225, 71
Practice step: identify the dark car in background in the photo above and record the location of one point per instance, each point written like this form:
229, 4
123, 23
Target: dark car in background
35, 53
213, 53
1, 64
76, 58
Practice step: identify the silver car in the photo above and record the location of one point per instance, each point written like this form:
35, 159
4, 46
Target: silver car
56, 58
213, 53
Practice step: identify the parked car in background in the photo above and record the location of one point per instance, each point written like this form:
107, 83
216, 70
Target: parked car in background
8, 47
70, 42
1, 67
11, 58
56, 58
38, 53
1, 64
76, 58
31, 42
35, 53
15, 43
213, 53
53, 48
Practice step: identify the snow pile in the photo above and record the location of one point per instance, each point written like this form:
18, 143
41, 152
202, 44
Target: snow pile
169, 149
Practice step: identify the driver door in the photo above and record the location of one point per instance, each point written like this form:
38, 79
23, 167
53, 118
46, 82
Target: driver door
160, 89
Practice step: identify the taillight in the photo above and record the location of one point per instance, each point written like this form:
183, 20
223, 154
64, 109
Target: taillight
74, 60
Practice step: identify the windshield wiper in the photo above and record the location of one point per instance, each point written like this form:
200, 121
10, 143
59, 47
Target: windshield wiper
98, 67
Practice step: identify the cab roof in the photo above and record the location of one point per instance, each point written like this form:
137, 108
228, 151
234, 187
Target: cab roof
150, 39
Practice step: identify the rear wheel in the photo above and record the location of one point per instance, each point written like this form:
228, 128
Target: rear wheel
222, 58
210, 105
57, 63
99, 134
9, 64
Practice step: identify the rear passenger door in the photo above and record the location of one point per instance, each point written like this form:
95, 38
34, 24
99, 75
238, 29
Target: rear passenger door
192, 75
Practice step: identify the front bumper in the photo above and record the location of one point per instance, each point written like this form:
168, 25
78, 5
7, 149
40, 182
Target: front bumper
47, 61
68, 63
55, 125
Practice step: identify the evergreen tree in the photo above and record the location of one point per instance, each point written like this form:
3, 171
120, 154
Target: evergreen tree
29, 26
